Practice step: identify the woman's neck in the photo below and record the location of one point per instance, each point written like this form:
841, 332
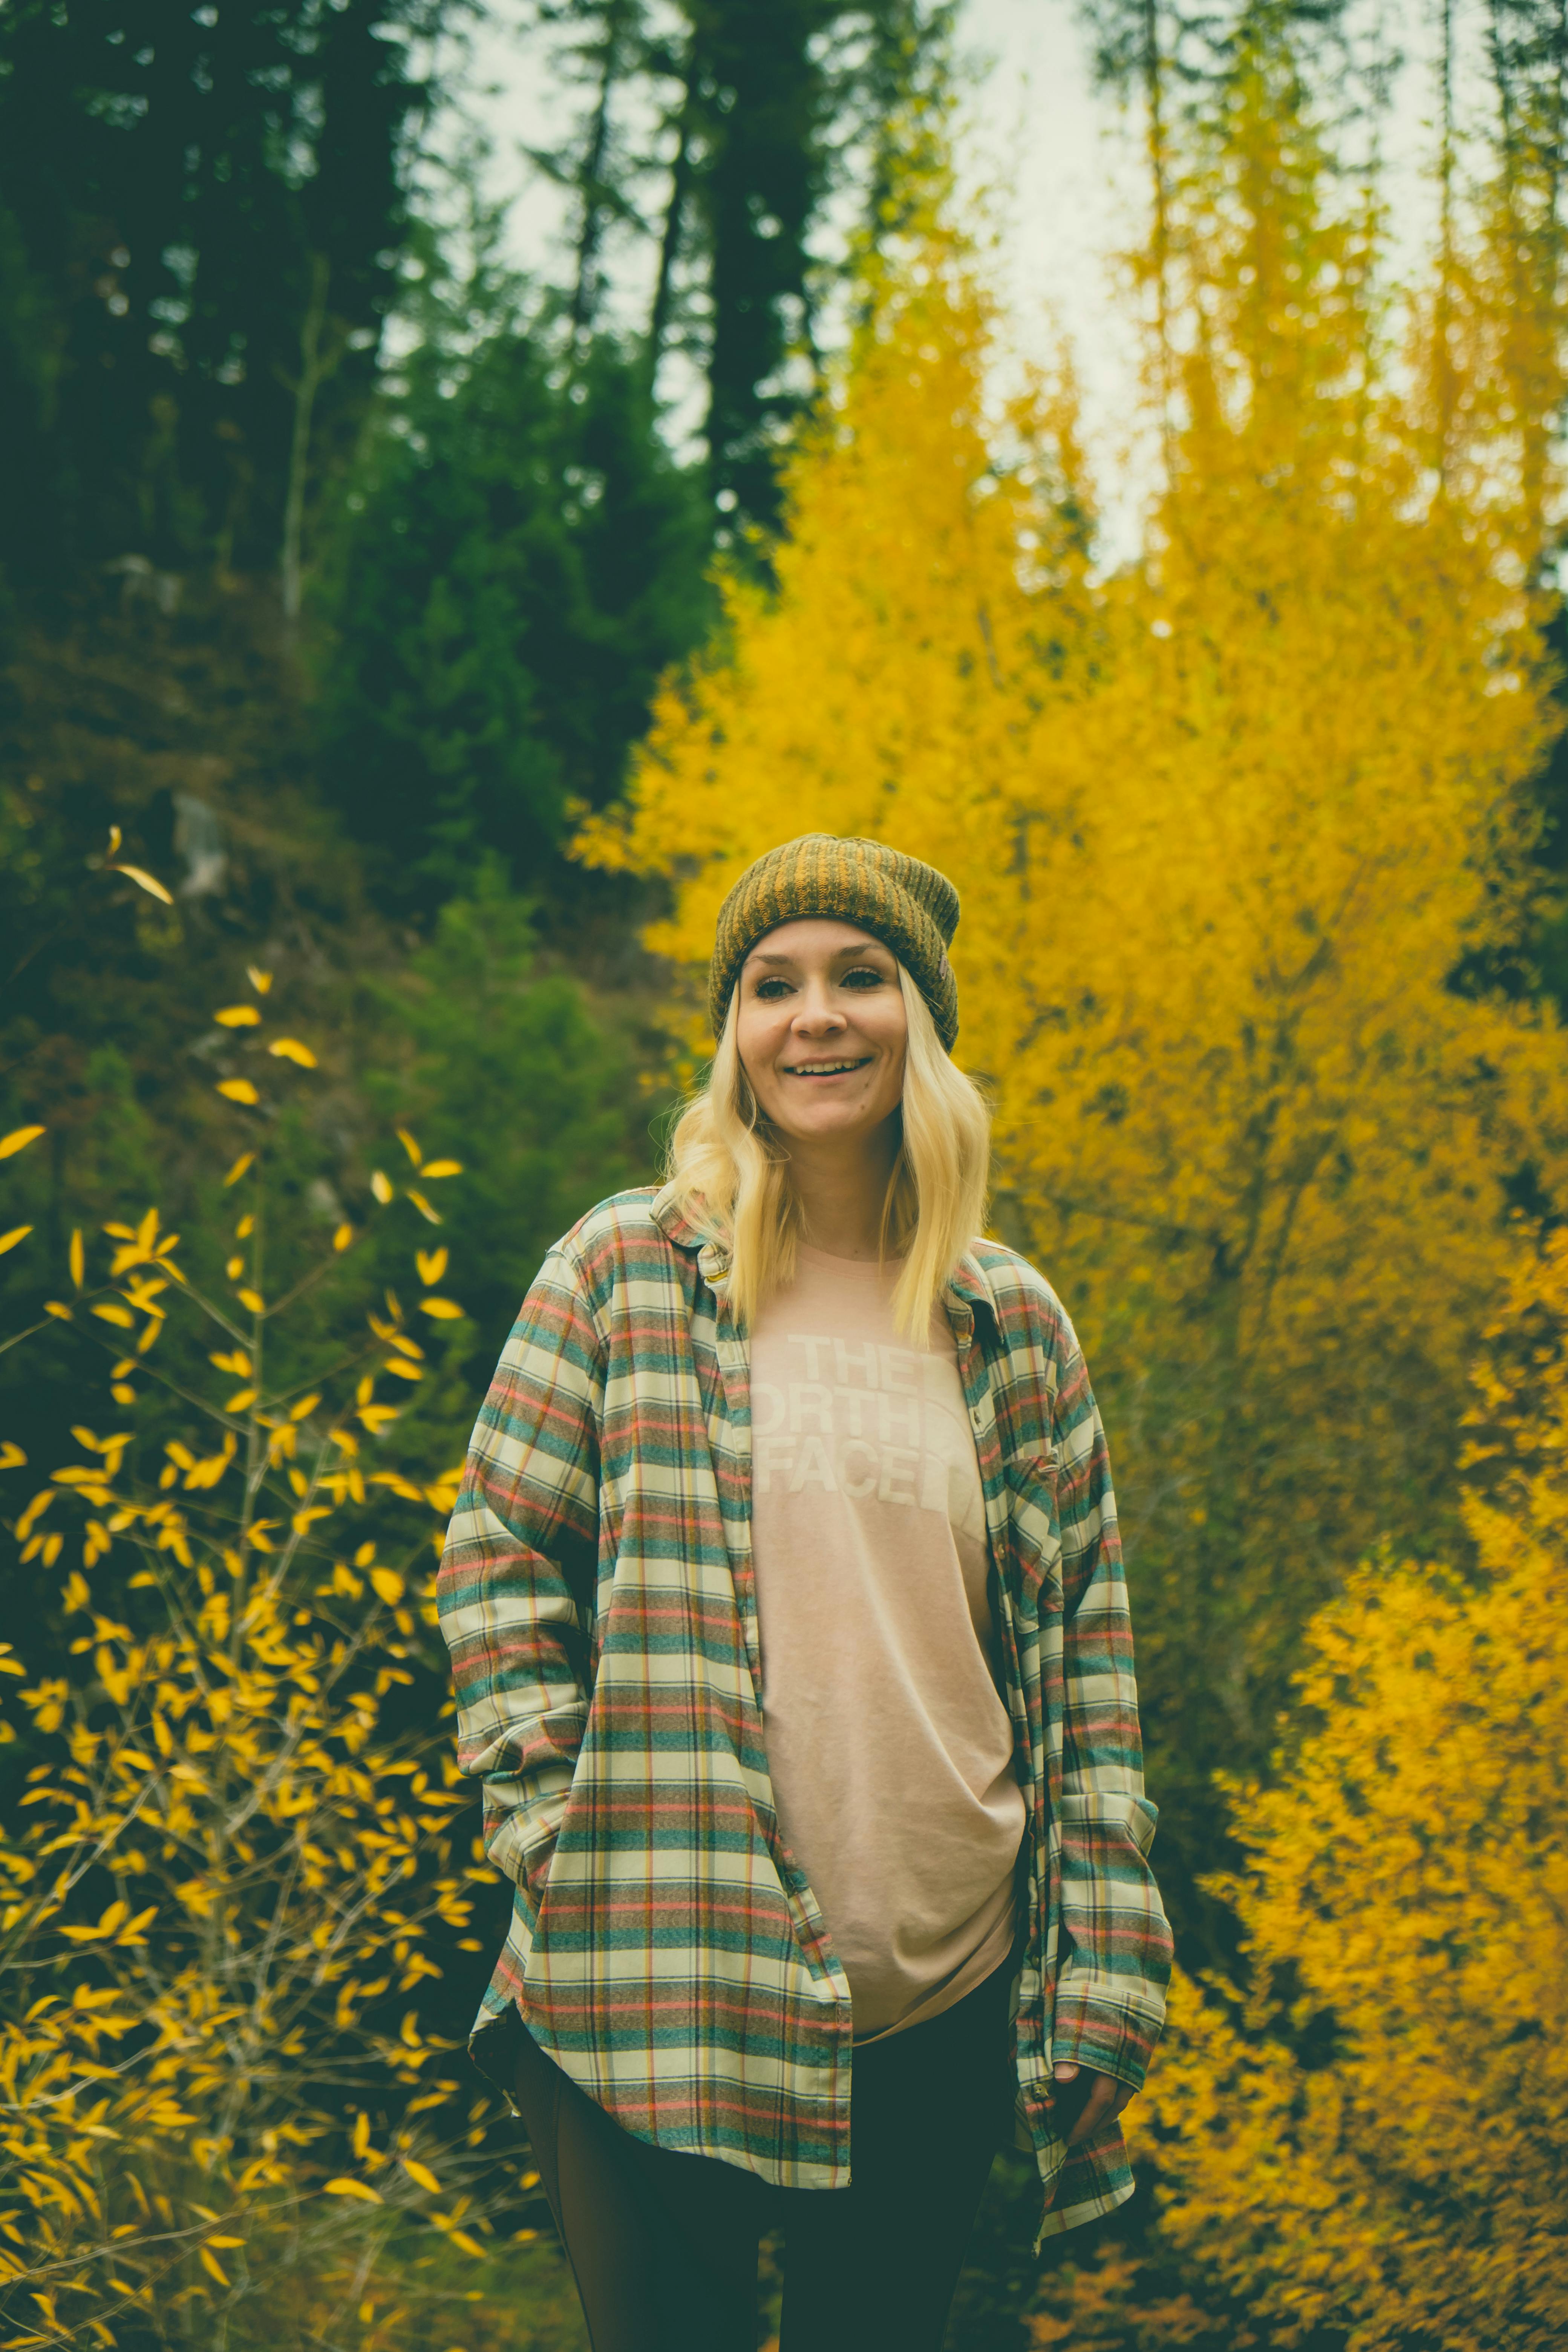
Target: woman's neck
841, 1189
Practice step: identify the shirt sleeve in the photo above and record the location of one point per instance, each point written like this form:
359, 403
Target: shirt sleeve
517, 1572
1116, 1944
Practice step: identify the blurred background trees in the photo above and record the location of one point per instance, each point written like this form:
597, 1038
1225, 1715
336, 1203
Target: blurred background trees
442, 638
204, 216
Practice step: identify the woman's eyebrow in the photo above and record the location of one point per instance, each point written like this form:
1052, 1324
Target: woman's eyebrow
856, 948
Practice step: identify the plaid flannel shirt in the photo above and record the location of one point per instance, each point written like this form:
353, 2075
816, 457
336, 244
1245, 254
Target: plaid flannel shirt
597, 1594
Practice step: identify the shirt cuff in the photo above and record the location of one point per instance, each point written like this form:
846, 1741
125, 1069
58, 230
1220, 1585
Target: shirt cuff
1111, 2040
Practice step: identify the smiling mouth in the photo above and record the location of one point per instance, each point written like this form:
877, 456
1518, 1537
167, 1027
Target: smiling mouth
826, 1069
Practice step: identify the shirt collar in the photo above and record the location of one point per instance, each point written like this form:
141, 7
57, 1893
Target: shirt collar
968, 1281
712, 1258
672, 1220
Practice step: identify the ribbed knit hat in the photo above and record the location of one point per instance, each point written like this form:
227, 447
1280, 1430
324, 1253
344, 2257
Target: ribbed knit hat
910, 908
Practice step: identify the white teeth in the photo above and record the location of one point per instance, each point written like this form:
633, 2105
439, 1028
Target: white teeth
822, 1069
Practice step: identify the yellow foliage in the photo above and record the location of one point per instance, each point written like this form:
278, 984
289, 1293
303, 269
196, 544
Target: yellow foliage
1374, 2138
222, 1882
1225, 824
143, 881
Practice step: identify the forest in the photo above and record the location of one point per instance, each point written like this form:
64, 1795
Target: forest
401, 653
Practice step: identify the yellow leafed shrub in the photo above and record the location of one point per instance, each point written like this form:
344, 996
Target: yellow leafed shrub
1374, 2138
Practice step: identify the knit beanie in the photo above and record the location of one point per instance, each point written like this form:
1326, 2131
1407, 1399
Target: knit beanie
910, 908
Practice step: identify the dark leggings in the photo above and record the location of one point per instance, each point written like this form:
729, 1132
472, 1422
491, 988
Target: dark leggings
663, 2245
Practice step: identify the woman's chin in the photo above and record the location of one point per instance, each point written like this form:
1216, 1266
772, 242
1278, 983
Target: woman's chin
828, 1122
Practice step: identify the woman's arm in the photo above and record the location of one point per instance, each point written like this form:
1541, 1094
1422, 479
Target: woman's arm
518, 1567
1116, 1947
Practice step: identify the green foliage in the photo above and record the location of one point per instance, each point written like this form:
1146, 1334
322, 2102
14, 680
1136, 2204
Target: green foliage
502, 1061
522, 557
520, 2297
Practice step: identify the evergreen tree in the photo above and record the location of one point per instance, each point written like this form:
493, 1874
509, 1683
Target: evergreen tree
764, 115
601, 45
525, 561
200, 213
762, 93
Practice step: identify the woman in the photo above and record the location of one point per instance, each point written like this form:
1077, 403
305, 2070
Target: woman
791, 1644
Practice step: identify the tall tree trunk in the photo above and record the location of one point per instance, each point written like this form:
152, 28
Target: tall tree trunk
315, 365
1156, 134
1443, 325
591, 231
674, 225
1528, 54
763, 93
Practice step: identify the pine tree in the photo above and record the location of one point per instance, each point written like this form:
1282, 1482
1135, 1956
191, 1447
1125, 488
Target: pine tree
763, 115
521, 560
199, 217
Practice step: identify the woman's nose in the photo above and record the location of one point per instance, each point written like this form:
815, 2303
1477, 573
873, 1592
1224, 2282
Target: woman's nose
817, 1011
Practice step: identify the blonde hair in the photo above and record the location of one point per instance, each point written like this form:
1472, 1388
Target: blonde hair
731, 1175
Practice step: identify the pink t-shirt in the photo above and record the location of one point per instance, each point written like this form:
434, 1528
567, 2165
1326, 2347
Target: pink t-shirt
889, 1743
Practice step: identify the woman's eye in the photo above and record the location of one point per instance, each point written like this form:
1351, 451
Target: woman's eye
864, 975
770, 990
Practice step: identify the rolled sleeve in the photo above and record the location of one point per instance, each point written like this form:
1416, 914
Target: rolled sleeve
1116, 1946
517, 1571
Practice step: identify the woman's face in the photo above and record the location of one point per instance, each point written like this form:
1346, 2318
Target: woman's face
821, 1029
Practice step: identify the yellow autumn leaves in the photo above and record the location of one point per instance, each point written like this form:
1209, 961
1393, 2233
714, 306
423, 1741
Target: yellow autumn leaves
237, 1089
1222, 826
243, 1091
1371, 2138
224, 1886
17, 1140
410, 2167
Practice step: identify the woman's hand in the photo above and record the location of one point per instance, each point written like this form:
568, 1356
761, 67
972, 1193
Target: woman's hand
1103, 2101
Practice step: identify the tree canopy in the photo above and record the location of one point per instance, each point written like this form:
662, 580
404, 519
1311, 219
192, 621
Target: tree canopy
1226, 826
